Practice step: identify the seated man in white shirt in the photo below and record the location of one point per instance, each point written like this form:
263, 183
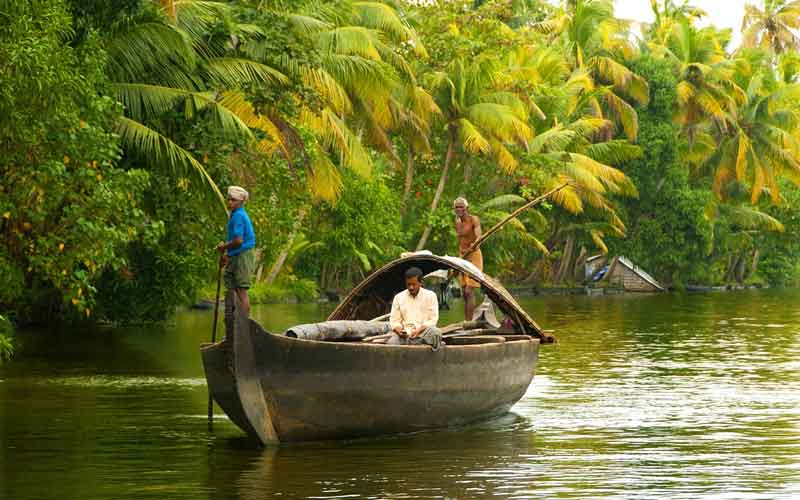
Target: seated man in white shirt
415, 312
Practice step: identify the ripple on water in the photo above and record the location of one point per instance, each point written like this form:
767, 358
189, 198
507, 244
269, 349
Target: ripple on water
662, 397
120, 381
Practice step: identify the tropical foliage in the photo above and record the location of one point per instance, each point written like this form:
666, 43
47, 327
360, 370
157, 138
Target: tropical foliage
355, 123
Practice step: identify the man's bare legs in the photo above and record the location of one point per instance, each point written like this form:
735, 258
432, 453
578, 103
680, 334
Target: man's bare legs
469, 302
244, 300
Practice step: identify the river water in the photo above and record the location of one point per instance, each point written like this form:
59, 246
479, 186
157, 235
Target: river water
665, 396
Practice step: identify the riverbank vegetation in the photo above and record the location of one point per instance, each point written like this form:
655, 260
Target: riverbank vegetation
354, 124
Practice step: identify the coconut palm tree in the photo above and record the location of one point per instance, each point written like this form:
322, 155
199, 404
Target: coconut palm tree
569, 146
415, 111
736, 227
478, 119
757, 143
357, 77
363, 86
773, 27
597, 42
167, 59
667, 14
705, 88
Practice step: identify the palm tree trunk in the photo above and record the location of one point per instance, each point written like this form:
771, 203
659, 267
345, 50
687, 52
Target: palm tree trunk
728, 268
169, 8
753, 263
409, 180
566, 259
281, 260
579, 272
741, 265
730, 273
439, 190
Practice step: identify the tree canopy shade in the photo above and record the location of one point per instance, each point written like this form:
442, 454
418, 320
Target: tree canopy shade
67, 210
354, 124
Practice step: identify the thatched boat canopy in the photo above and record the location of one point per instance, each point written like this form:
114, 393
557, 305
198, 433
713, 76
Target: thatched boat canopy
373, 296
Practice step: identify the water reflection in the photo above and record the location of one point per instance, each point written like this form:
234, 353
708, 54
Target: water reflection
662, 396
424, 465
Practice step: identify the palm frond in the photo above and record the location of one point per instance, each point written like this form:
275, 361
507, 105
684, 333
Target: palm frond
504, 200
611, 177
380, 16
327, 86
613, 152
148, 143
499, 120
590, 126
750, 218
232, 72
554, 139
741, 156
597, 237
151, 46
324, 180
237, 104
568, 198
505, 160
308, 25
143, 100
471, 138
336, 136
356, 72
198, 18
624, 114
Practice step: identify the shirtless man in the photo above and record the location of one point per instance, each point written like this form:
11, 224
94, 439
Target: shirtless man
468, 229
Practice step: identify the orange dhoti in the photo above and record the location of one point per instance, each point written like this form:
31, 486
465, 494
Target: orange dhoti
476, 258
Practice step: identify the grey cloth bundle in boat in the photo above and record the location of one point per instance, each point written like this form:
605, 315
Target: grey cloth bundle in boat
339, 330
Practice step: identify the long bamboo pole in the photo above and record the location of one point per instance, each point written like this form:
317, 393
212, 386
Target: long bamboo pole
496, 227
214, 339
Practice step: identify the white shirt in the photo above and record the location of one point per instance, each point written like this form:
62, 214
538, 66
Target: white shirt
410, 313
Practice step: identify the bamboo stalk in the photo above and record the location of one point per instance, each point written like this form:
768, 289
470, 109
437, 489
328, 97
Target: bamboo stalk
213, 340
512, 215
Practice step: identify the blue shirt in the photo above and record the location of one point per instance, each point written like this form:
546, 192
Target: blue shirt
239, 225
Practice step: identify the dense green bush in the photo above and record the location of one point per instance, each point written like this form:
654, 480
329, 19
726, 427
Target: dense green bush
778, 251
294, 290
6, 342
358, 233
67, 211
667, 232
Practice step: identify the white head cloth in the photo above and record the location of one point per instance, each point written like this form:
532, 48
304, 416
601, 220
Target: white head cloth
461, 199
237, 193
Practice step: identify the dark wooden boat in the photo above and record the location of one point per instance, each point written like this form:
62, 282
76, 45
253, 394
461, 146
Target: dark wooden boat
279, 389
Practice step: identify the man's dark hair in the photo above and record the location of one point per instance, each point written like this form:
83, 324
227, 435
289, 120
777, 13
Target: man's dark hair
414, 272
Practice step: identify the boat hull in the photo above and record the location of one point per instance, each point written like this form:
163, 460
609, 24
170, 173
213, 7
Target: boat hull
286, 389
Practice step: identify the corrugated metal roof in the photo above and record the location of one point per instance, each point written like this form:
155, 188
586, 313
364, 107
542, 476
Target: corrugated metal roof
639, 272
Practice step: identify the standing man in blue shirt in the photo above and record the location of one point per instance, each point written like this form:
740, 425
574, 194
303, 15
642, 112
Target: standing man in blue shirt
238, 255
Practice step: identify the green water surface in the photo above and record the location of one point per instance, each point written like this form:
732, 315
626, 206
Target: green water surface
663, 396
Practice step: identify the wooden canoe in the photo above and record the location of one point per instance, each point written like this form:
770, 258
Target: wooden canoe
280, 389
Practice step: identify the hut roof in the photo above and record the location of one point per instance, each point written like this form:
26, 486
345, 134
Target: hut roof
639, 272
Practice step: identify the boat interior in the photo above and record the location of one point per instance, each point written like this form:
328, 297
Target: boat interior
363, 315
484, 328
